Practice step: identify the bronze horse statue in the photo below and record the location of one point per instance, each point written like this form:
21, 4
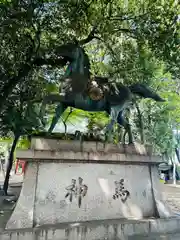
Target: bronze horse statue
80, 91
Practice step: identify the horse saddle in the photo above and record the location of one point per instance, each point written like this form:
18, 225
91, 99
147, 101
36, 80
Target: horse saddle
97, 87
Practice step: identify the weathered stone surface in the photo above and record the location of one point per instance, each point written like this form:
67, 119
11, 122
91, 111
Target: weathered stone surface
77, 146
79, 186
160, 203
67, 156
165, 225
97, 230
51, 206
23, 214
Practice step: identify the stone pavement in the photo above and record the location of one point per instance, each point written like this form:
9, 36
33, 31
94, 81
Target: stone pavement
7, 208
172, 195
158, 237
14, 179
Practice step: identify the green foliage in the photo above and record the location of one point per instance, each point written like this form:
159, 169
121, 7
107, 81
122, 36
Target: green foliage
159, 120
24, 143
133, 41
97, 121
20, 115
32, 30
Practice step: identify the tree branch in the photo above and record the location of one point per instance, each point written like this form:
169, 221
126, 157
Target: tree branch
126, 18
124, 30
23, 72
128, 32
8, 87
11, 18
50, 61
90, 37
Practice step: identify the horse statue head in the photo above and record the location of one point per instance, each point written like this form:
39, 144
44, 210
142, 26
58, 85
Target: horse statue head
77, 72
77, 77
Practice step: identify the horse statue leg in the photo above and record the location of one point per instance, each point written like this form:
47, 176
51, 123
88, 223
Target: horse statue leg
109, 128
53, 98
126, 126
58, 112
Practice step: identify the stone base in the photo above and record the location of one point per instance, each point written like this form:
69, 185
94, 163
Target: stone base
62, 186
77, 146
109, 229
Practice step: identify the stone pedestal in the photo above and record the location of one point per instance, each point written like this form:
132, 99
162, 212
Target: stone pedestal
66, 182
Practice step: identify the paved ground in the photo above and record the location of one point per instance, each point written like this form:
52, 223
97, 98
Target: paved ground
14, 179
7, 207
159, 237
172, 196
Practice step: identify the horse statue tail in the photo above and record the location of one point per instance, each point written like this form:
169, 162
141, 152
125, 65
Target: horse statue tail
145, 92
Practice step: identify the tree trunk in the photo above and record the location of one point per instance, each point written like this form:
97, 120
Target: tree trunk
174, 173
177, 154
10, 164
2, 168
